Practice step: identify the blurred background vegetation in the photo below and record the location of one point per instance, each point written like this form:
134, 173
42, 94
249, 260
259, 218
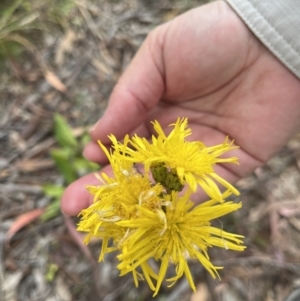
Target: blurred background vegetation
23, 22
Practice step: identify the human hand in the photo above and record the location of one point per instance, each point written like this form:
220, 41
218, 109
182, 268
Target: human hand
205, 65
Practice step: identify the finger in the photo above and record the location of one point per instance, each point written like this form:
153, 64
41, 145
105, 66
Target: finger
93, 152
76, 197
138, 90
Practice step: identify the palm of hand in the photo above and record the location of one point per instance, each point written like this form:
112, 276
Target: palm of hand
227, 83
207, 66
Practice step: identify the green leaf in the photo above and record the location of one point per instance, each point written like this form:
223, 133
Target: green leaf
9, 49
85, 139
63, 132
7, 13
62, 159
51, 272
83, 166
92, 166
52, 210
53, 190
20, 23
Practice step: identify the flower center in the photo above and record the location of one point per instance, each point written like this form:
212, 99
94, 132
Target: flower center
168, 178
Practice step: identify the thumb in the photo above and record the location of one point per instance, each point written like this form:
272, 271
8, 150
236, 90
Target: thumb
137, 92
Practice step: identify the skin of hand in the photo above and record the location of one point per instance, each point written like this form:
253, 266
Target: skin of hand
205, 65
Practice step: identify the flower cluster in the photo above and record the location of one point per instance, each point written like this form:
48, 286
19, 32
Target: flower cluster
147, 213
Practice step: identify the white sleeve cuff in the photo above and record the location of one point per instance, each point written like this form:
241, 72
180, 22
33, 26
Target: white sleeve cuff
276, 24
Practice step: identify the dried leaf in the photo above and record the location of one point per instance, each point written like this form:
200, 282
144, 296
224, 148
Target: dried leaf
54, 81
14, 188
65, 46
11, 282
170, 15
31, 165
31, 127
22, 221
295, 222
40, 148
62, 289
22, 41
4, 173
28, 19
103, 68
17, 141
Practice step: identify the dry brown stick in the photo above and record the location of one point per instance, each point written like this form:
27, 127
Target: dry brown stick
34, 189
273, 220
90, 22
39, 148
179, 291
211, 285
1, 272
261, 261
78, 239
34, 149
278, 205
117, 292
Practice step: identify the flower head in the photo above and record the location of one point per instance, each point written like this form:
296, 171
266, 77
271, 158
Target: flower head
174, 233
114, 200
193, 162
144, 214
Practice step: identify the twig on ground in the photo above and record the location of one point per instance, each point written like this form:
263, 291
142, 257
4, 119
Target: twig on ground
179, 291
1, 272
78, 239
273, 220
117, 292
261, 261
10, 187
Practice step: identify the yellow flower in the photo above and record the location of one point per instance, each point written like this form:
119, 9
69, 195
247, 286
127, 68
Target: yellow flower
115, 199
173, 234
193, 162
144, 216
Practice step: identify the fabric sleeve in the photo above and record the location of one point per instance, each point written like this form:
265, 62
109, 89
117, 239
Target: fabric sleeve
276, 23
